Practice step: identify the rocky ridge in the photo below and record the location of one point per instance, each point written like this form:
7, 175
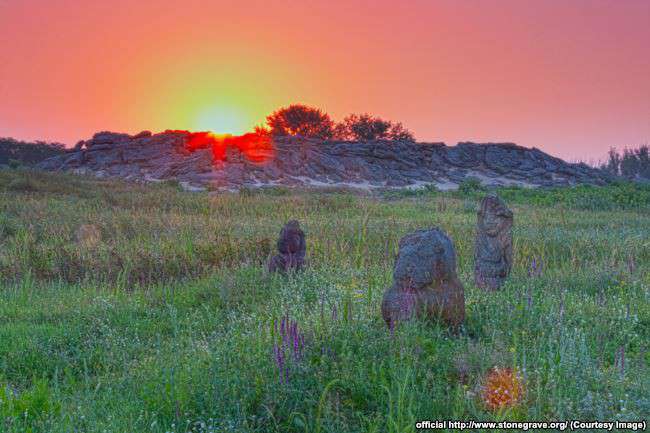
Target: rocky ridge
297, 161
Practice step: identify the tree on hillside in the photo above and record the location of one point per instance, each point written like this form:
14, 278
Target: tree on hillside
631, 163
399, 133
27, 153
613, 163
364, 127
298, 119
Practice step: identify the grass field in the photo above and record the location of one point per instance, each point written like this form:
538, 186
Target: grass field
157, 315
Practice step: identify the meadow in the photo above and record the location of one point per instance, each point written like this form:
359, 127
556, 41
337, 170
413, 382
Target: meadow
158, 314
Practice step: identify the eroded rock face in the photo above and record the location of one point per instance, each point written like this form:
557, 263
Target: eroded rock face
493, 244
299, 161
291, 249
425, 283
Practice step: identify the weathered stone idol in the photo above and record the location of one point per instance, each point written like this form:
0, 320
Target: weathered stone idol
291, 249
493, 245
425, 283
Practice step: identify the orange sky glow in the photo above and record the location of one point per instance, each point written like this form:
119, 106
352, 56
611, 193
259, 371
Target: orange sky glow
569, 77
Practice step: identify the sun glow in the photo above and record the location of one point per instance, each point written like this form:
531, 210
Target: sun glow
223, 120
197, 91
255, 147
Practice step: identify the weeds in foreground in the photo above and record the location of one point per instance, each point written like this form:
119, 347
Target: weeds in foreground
160, 317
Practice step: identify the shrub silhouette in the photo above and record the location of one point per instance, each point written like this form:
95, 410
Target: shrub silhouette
631, 163
298, 119
16, 153
364, 127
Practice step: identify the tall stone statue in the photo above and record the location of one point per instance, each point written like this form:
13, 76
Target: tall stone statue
425, 283
291, 249
493, 245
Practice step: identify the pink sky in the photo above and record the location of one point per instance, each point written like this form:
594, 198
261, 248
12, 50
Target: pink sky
569, 77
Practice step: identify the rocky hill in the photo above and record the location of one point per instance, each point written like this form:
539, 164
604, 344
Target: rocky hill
200, 161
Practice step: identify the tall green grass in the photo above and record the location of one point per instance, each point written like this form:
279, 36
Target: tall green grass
168, 322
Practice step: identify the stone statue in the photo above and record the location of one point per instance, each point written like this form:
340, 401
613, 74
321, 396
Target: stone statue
493, 246
425, 283
291, 249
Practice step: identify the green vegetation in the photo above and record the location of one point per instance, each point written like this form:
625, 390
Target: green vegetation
161, 317
631, 163
15, 153
622, 195
617, 196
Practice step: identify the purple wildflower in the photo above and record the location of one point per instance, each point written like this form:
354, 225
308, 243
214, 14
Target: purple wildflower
290, 344
278, 353
535, 267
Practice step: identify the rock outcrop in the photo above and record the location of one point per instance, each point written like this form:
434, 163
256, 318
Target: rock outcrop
493, 243
291, 249
425, 283
295, 161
